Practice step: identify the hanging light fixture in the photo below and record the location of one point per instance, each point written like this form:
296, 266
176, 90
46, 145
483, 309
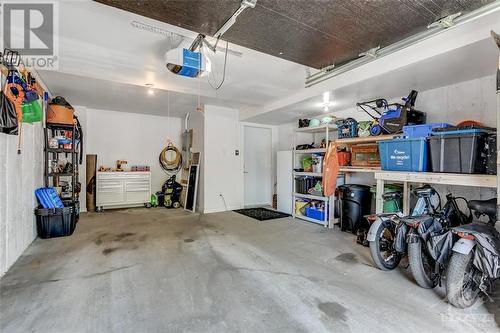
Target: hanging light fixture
151, 91
326, 101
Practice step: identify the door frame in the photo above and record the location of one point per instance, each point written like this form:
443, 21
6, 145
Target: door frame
272, 130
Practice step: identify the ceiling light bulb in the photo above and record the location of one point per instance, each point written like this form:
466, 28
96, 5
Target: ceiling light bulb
151, 92
325, 108
326, 97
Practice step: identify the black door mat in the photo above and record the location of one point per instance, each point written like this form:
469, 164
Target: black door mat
261, 214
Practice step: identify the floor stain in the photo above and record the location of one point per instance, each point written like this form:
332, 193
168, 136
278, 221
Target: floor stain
348, 257
105, 272
121, 237
100, 237
110, 250
333, 310
5, 288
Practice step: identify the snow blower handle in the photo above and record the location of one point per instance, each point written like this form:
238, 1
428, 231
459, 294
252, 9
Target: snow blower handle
362, 106
410, 100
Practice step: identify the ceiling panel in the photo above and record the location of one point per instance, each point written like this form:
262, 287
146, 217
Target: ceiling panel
315, 33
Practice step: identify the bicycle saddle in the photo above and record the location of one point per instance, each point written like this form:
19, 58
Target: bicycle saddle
415, 221
391, 196
487, 207
424, 191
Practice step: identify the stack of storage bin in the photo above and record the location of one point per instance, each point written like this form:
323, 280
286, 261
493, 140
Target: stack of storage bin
411, 152
53, 218
440, 147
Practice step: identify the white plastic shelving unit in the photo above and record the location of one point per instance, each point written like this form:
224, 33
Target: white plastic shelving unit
318, 132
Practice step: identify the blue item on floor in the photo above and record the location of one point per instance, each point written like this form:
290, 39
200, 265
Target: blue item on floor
422, 131
48, 198
315, 213
404, 154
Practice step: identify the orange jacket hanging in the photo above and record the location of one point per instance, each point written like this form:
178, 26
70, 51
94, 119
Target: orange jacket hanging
331, 170
16, 100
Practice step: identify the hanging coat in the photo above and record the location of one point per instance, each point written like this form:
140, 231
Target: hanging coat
331, 170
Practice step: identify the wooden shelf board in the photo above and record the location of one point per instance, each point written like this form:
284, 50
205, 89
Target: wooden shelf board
368, 139
317, 129
360, 169
439, 178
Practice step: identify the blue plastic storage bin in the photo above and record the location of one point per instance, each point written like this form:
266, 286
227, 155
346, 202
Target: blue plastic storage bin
404, 154
315, 214
422, 131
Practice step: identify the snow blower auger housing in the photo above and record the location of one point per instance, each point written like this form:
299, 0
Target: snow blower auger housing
390, 118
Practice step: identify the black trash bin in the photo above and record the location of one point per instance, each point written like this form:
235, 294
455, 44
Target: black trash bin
355, 202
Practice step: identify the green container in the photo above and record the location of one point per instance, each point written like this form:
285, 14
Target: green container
390, 206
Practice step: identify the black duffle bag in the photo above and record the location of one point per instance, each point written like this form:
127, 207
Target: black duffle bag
8, 116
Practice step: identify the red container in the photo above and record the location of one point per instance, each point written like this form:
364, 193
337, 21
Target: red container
344, 158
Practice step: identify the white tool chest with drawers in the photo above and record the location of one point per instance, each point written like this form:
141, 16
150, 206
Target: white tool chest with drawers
122, 189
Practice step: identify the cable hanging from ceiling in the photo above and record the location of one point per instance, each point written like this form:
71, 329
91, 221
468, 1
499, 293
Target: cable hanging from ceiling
203, 53
170, 158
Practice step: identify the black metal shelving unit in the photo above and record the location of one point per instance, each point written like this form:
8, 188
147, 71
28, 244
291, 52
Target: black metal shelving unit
52, 179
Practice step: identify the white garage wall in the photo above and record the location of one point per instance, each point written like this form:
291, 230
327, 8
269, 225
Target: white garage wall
223, 172
136, 138
20, 175
474, 99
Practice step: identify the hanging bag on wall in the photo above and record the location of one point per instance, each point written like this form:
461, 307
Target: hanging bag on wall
8, 116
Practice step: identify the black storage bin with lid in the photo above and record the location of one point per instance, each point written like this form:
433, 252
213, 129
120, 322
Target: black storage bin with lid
462, 151
355, 203
55, 222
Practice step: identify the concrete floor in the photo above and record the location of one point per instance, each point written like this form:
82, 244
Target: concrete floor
159, 270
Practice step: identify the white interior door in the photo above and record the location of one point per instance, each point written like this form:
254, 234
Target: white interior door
257, 166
